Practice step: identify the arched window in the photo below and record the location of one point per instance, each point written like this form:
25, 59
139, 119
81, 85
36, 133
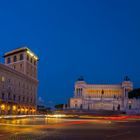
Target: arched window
15, 58
2, 78
21, 57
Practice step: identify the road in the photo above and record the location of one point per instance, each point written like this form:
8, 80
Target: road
69, 129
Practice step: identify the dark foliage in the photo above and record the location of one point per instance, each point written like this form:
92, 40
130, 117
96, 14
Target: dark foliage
59, 106
134, 93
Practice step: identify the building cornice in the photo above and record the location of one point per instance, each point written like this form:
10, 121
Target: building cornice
7, 68
15, 51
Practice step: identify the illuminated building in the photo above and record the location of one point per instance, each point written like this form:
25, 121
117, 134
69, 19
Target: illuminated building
18, 82
101, 96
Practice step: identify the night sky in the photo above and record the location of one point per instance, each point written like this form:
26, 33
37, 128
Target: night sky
98, 39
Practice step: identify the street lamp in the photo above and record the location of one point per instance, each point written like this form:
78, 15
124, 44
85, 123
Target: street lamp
14, 108
3, 107
88, 102
102, 93
113, 102
130, 103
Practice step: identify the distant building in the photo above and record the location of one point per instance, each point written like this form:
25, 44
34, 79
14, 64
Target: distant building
102, 96
18, 82
41, 107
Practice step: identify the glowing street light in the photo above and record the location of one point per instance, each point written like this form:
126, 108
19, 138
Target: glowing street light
14, 107
2, 107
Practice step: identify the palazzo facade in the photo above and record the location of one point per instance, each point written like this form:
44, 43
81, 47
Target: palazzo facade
101, 96
18, 82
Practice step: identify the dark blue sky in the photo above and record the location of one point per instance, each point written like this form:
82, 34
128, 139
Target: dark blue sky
99, 39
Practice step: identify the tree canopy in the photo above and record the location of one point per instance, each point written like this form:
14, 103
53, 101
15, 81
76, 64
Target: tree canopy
134, 93
59, 106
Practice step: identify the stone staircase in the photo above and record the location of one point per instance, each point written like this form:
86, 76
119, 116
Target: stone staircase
93, 112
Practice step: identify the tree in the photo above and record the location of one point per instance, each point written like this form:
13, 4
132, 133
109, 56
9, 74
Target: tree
59, 106
134, 93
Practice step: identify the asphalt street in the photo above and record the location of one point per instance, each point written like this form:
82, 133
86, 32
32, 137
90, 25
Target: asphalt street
69, 129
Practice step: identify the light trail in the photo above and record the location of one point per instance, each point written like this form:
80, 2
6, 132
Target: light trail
59, 124
20, 116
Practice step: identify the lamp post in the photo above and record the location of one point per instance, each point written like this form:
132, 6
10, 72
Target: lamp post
130, 104
102, 93
88, 102
113, 102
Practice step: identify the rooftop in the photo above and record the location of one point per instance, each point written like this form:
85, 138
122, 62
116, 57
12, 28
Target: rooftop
22, 49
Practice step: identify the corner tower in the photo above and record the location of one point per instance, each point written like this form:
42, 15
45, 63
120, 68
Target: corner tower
127, 86
79, 87
22, 60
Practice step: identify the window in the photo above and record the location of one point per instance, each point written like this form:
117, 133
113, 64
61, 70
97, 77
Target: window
34, 101
8, 60
27, 99
9, 96
3, 96
9, 80
31, 60
2, 78
19, 98
14, 97
27, 57
15, 58
23, 99
21, 57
